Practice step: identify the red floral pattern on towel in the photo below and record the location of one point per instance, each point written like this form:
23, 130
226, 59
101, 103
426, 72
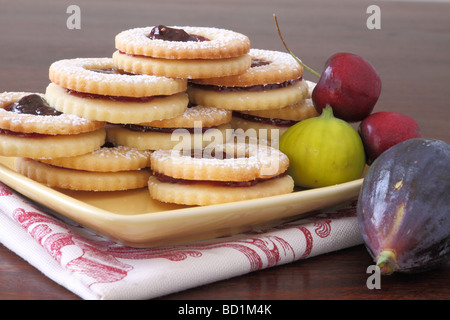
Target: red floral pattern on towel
99, 260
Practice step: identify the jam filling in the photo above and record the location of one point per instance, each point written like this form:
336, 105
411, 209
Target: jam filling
236, 184
256, 88
269, 121
140, 128
172, 34
33, 104
22, 134
113, 71
259, 63
110, 98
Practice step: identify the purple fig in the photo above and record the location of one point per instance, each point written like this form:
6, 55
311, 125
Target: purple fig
404, 206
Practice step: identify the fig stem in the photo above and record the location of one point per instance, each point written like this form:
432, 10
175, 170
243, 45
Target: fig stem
290, 52
327, 112
387, 262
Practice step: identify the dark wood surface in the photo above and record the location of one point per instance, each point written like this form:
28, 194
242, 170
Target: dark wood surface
411, 52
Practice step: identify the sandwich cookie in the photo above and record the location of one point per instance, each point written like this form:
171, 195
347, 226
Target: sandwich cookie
93, 88
182, 52
225, 173
274, 81
30, 127
197, 128
110, 168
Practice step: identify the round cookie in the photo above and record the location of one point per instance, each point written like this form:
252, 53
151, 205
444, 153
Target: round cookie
59, 177
105, 159
182, 52
156, 108
273, 82
101, 76
29, 127
218, 43
186, 68
196, 128
227, 172
93, 88
56, 123
207, 194
50, 146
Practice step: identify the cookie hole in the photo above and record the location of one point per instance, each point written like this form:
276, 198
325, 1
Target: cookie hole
259, 63
112, 71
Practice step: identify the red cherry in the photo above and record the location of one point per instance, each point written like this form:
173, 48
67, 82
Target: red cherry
384, 129
350, 85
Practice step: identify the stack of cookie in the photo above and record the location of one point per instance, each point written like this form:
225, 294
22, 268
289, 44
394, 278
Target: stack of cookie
181, 53
63, 150
168, 88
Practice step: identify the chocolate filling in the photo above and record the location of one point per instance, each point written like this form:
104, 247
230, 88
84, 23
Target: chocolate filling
235, 184
172, 34
256, 88
110, 98
33, 104
269, 121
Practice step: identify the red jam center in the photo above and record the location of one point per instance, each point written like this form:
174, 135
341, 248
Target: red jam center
111, 98
22, 134
172, 34
141, 128
236, 184
269, 121
33, 104
255, 88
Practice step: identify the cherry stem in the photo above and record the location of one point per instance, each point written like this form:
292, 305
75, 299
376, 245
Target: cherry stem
291, 53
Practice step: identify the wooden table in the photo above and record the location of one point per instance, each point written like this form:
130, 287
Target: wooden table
411, 52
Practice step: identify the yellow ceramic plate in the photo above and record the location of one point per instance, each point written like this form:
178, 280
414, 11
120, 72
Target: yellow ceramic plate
133, 218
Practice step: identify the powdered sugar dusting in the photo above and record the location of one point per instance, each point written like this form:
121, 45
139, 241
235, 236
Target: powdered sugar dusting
82, 68
7, 98
219, 39
278, 60
239, 156
66, 119
199, 112
121, 152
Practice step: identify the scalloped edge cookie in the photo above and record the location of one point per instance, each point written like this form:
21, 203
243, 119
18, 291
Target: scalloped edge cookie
221, 44
208, 117
79, 180
280, 67
116, 111
182, 68
206, 194
105, 159
63, 124
180, 139
51, 146
241, 162
248, 100
79, 75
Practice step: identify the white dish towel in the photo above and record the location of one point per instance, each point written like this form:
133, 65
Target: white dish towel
94, 267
